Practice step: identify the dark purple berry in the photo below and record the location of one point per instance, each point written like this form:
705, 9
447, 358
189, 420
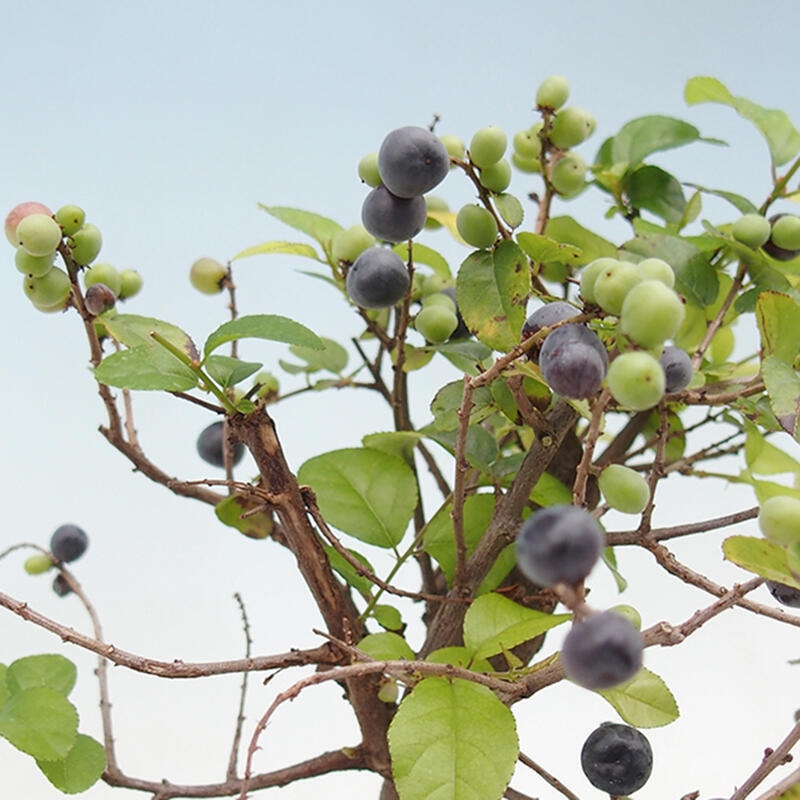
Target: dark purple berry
544, 317
617, 759
60, 585
391, 218
785, 595
678, 369
68, 543
412, 161
99, 298
378, 278
573, 361
211, 443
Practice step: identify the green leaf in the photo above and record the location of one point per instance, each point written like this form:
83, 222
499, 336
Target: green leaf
494, 623
545, 250
549, 490
31, 672
386, 646
263, 326
447, 401
319, 228
332, 357
147, 367
655, 190
227, 371
779, 323
783, 386
452, 740
438, 540
592, 246
695, 278
244, 514
4, 693
740, 203
278, 248
760, 556
481, 447
644, 701
41, 722
347, 571
388, 617
764, 458
643, 136
782, 137
135, 331
81, 768
492, 290
396, 443
510, 209
423, 254
364, 492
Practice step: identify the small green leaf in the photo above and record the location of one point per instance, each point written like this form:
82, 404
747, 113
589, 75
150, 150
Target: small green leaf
332, 357
4, 693
81, 768
779, 323
41, 722
279, 248
244, 514
494, 623
134, 331
147, 367
644, 136
319, 228
422, 254
783, 386
386, 646
764, 458
346, 570
546, 250
364, 492
644, 701
761, 557
388, 617
741, 204
396, 443
655, 190
263, 326
227, 371
452, 740
492, 289
782, 137
448, 399
592, 246
30, 672
510, 209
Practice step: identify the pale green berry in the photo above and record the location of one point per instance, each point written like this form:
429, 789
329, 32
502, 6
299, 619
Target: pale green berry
487, 146
496, 177
38, 234
351, 242
651, 313
568, 175
786, 232
630, 613
752, 230
105, 274
436, 322
636, 380
624, 489
368, 170
454, 145
589, 276
18, 213
50, 292
779, 519
527, 144
207, 275
525, 164
130, 283
70, 218
552, 92
613, 283
34, 266
657, 270
37, 564
476, 226
571, 127
85, 244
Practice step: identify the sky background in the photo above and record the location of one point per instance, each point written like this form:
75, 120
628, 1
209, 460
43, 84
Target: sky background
168, 122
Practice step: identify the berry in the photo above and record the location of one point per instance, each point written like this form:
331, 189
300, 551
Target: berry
436, 322
779, 519
33, 266
785, 595
636, 380
130, 283
99, 298
38, 234
771, 247
527, 144
527, 164
18, 213
602, 650
559, 544
37, 564
85, 244
786, 232
552, 92
350, 243
496, 177
752, 230
454, 146
68, 543
103, 273
211, 446
624, 489
573, 361
51, 292
630, 613
476, 226
268, 385
617, 759
70, 218
571, 127
207, 275
412, 161
461, 331
60, 586
568, 174
391, 218
368, 170
589, 275
677, 366
612, 284
651, 313
545, 316
378, 278
657, 270
487, 146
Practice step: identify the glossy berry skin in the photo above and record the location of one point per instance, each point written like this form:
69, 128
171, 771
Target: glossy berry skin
68, 543
602, 651
678, 369
99, 298
211, 445
391, 218
573, 361
785, 595
412, 161
617, 759
378, 278
544, 317
559, 544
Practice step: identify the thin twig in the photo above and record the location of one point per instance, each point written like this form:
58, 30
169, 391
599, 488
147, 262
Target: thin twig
237, 734
551, 779
772, 761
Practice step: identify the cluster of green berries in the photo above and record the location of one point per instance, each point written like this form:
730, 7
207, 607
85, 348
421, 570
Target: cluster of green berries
38, 234
778, 235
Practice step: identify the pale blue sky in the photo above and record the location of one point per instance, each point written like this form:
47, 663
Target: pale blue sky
168, 122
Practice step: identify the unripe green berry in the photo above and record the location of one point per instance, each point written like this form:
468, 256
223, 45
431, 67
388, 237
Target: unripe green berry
651, 313
85, 244
568, 175
105, 274
657, 270
636, 380
476, 226
571, 127
487, 146
207, 275
624, 489
130, 283
38, 234
70, 218
527, 144
552, 92
454, 145
50, 292
351, 242
589, 276
368, 170
18, 213
37, 564
496, 177
786, 232
613, 283
752, 230
436, 322
33, 266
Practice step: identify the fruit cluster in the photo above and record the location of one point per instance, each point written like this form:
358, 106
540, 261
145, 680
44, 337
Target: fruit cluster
779, 235
38, 234
67, 544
